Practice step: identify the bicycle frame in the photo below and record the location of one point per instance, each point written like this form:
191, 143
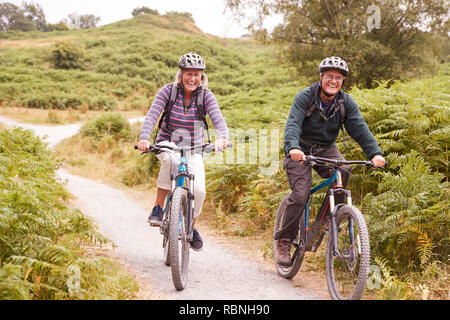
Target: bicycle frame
310, 234
179, 180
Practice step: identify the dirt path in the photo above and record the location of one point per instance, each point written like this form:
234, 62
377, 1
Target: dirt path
217, 272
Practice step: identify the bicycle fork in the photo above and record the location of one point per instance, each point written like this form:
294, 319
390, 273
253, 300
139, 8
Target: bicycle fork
333, 213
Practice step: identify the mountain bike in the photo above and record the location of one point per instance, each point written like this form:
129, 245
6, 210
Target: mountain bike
347, 255
178, 213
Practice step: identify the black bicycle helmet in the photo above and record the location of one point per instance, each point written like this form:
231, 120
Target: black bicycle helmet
191, 60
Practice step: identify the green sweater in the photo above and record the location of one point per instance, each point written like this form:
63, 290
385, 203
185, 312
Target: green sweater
316, 130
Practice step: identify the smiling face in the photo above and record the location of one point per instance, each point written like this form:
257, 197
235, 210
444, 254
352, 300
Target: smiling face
191, 79
331, 81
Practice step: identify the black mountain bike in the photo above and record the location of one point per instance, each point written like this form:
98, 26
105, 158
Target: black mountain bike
347, 256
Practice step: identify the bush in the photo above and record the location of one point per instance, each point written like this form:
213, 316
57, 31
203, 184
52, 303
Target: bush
66, 55
110, 124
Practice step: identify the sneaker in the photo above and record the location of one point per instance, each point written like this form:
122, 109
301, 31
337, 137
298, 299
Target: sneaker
197, 242
284, 252
155, 218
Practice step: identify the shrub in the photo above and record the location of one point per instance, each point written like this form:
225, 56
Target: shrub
66, 55
109, 124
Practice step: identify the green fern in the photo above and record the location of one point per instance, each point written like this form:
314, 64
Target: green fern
40, 237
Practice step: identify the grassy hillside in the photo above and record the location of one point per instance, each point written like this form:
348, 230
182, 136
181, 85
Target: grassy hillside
122, 65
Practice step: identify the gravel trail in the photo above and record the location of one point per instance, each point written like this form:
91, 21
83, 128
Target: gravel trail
216, 273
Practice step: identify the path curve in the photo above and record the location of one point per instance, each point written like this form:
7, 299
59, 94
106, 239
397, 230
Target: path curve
216, 273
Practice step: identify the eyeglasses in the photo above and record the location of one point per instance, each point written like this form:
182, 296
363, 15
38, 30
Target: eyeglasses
329, 77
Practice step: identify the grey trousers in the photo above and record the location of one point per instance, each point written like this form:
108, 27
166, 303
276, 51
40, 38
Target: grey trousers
299, 176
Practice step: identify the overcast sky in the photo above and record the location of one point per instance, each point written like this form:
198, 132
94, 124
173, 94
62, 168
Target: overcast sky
209, 15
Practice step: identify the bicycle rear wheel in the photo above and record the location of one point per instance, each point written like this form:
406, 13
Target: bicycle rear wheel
178, 241
287, 272
347, 274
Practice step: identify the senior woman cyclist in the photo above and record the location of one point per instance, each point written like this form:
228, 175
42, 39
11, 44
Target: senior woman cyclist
183, 127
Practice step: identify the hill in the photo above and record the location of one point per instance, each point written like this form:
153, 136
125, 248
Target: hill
122, 65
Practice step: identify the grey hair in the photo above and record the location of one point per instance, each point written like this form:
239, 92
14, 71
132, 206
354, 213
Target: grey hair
178, 79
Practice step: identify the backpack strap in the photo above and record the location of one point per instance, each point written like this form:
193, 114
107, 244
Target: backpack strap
341, 106
313, 105
201, 109
167, 108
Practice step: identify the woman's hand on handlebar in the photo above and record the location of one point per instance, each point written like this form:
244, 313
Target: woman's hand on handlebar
220, 144
143, 145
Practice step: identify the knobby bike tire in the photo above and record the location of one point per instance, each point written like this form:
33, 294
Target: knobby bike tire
347, 277
166, 239
286, 272
178, 242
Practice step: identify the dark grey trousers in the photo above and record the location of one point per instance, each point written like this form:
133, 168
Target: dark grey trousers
299, 177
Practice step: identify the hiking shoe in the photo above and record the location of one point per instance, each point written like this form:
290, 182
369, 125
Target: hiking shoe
284, 252
197, 242
155, 218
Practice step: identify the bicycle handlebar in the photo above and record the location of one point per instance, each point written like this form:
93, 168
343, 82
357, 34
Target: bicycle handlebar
208, 148
312, 160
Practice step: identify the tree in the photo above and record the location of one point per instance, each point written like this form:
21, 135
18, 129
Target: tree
144, 10
26, 18
86, 21
12, 18
384, 39
176, 14
35, 13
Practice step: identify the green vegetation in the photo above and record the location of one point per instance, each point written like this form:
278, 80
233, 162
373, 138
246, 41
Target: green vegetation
382, 40
406, 205
43, 243
121, 67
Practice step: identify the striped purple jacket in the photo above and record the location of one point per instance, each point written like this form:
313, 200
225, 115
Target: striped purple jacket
187, 127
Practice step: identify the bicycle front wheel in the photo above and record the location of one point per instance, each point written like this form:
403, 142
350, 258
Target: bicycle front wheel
347, 266
288, 272
178, 238
166, 244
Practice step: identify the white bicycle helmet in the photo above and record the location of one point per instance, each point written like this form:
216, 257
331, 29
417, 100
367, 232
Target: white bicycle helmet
191, 60
334, 63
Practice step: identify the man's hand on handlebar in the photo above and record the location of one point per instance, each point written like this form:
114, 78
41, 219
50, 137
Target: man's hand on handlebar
297, 155
378, 161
